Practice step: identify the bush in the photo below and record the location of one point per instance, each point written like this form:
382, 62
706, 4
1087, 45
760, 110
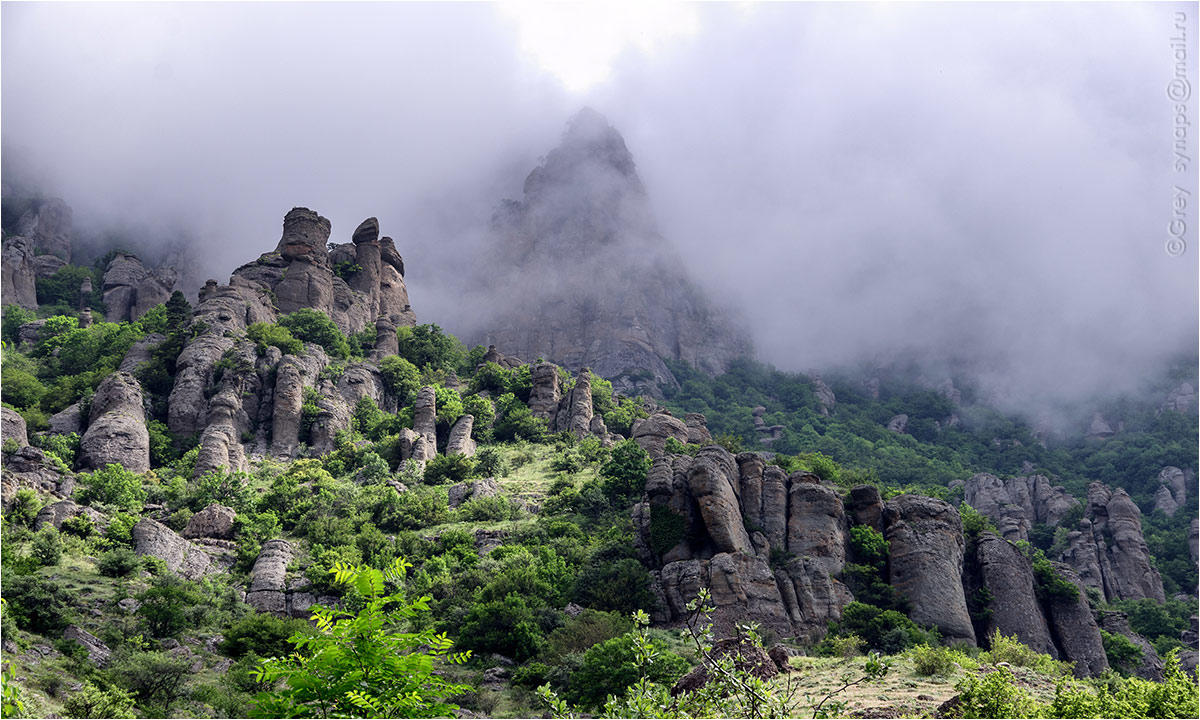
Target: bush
586, 629
625, 472
489, 463
314, 326
442, 469
168, 606
886, 631
266, 335
400, 377
612, 666
531, 675
92, 702
1122, 653
482, 410
25, 508
38, 604
619, 585
63, 447
430, 348
489, 509
155, 678
841, 646
47, 545
929, 661
14, 316
503, 626
514, 421
121, 562
260, 634
113, 485
994, 695
1006, 648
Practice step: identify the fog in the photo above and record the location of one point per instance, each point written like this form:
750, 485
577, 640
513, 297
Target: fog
988, 184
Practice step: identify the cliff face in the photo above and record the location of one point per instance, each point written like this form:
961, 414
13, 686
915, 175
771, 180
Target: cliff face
595, 283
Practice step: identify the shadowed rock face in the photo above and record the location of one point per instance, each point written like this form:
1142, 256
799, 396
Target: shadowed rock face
1008, 575
612, 293
130, 289
927, 561
1017, 504
1075, 629
18, 283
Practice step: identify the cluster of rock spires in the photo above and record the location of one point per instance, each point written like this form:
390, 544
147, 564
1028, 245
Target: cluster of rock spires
611, 293
772, 548
42, 245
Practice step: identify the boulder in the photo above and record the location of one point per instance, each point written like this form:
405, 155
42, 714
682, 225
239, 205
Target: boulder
294, 373
1124, 557
714, 483
1016, 504
898, 423
747, 658
116, 430
186, 559
68, 420
575, 413
864, 506
1181, 399
12, 427
1172, 490
460, 442
48, 225
29, 467
472, 490
131, 289
826, 400
651, 433
98, 653
214, 521
926, 563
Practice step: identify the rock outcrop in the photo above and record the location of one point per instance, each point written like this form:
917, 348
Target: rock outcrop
697, 429
612, 293
1015, 505
460, 442
18, 281
130, 289
1108, 550
116, 431
1150, 666
425, 419
189, 560
29, 467
717, 521
1181, 399
1172, 490
12, 427
927, 561
214, 521
651, 433
1008, 576
1074, 628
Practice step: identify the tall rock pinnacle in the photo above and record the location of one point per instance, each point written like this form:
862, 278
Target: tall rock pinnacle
588, 279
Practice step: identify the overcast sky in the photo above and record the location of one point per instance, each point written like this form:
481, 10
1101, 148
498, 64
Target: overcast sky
991, 180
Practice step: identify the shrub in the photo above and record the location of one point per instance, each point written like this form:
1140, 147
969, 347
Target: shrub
929, 661
314, 326
443, 469
489, 463
24, 509
514, 421
1122, 653
667, 528
489, 509
887, 631
625, 472
121, 562
168, 606
79, 525
449, 405
842, 646
612, 666
47, 545
14, 316
531, 675
260, 634
113, 485
400, 377
504, 626
481, 409
38, 604
620, 585
1007, 648
994, 695
266, 335
62, 447
429, 347
155, 678
92, 702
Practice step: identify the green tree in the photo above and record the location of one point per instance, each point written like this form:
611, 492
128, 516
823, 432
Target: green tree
625, 472
400, 377
372, 663
429, 347
314, 326
114, 485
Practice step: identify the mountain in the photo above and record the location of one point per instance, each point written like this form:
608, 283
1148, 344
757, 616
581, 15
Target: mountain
588, 279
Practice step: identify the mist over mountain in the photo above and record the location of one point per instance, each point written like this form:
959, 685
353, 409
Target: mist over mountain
853, 184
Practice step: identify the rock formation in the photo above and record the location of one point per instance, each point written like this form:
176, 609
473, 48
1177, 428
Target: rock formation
717, 521
460, 442
612, 293
17, 276
214, 521
425, 419
1172, 490
651, 433
1108, 550
926, 562
1151, 665
826, 400
1074, 628
130, 289
272, 591
12, 427
1008, 575
116, 431
1016, 504
697, 429
189, 560
29, 467
1181, 399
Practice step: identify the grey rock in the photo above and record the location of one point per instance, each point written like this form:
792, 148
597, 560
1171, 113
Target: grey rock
898, 423
460, 442
472, 490
1172, 490
425, 419
98, 652
186, 559
697, 429
67, 421
116, 430
12, 427
1075, 628
1151, 665
826, 400
1008, 575
545, 394
214, 521
268, 578
926, 563
651, 433
18, 281
1181, 399
131, 289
